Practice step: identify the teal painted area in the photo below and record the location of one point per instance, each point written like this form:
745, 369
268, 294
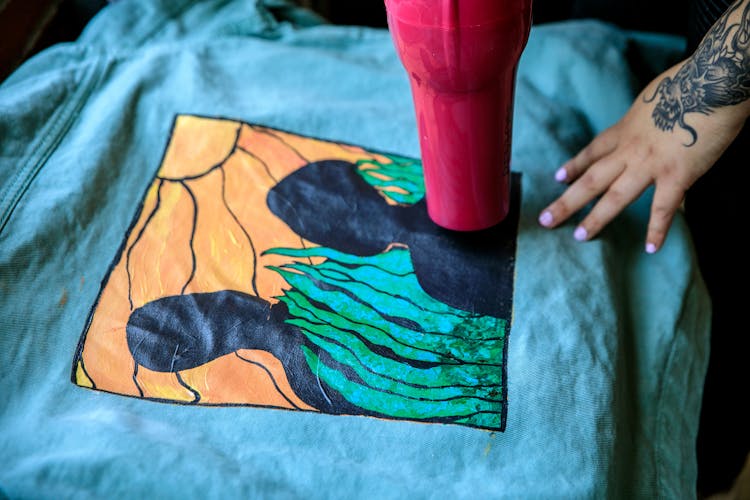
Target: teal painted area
407, 355
473, 376
394, 268
403, 173
378, 371
398, 406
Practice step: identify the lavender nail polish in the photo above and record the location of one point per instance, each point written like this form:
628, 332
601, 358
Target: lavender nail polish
561, 174
650, 248
545, 219
581, 234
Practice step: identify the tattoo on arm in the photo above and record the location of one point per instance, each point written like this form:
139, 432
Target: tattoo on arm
716, 75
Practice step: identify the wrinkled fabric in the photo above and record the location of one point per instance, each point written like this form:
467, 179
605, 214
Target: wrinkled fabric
606, 352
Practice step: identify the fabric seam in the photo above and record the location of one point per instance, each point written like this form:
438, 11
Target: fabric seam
660, 418
161, 22
53, 134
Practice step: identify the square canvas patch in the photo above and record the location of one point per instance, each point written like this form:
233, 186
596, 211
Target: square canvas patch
270, 269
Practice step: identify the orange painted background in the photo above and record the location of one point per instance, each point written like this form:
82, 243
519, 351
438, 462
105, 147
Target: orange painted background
203, 227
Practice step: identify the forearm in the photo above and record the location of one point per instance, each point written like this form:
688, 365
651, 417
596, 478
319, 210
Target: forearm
672, 135
715, 78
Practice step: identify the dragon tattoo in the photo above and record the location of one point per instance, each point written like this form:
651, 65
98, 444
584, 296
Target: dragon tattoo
716, 75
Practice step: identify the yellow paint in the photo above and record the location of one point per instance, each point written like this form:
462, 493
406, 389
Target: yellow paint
162, 385
81, 377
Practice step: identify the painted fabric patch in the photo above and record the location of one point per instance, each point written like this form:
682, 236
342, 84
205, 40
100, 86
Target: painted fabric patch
274, 270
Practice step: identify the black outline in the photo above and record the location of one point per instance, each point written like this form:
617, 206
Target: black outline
267, 131
78, 356
263, 163
416, 420
270, 375
192, 235
500, 402
325, 287
184, 384
210, 169
352, 279
138, 238
416, 386
410, 361
118, 257
83, 367
244, 231
366, 342
135, 378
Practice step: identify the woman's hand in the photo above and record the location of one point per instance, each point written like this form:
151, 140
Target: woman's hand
672, 134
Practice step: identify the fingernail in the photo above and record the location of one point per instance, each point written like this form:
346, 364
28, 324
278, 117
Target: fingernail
561, 174
650, 248
545, 219
581, 234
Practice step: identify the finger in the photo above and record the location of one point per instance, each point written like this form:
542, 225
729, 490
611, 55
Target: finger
667, 199
590, 185
601, 146
620, 194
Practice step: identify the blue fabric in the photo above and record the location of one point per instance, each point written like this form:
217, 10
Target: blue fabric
608, 346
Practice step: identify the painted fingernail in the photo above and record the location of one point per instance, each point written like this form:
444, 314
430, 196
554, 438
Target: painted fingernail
545, 219
650, 248
581, 234
561, 174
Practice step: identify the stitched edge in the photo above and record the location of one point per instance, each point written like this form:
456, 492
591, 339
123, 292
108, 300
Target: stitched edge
53, 133
58, 126
663, 491
161, 22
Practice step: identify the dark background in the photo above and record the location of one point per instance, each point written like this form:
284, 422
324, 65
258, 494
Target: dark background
28, 26
660, 15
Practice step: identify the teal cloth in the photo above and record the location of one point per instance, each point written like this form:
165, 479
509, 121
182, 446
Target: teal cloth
608, 347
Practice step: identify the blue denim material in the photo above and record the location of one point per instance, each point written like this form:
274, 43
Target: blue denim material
608, 346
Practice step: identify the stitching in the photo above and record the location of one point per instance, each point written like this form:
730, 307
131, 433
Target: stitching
163, 21
53, 134
660, 487
660, 417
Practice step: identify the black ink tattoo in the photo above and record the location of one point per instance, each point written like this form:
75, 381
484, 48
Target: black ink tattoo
716, 75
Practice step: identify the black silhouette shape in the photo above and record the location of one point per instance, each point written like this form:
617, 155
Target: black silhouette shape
181, 332
328, 203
